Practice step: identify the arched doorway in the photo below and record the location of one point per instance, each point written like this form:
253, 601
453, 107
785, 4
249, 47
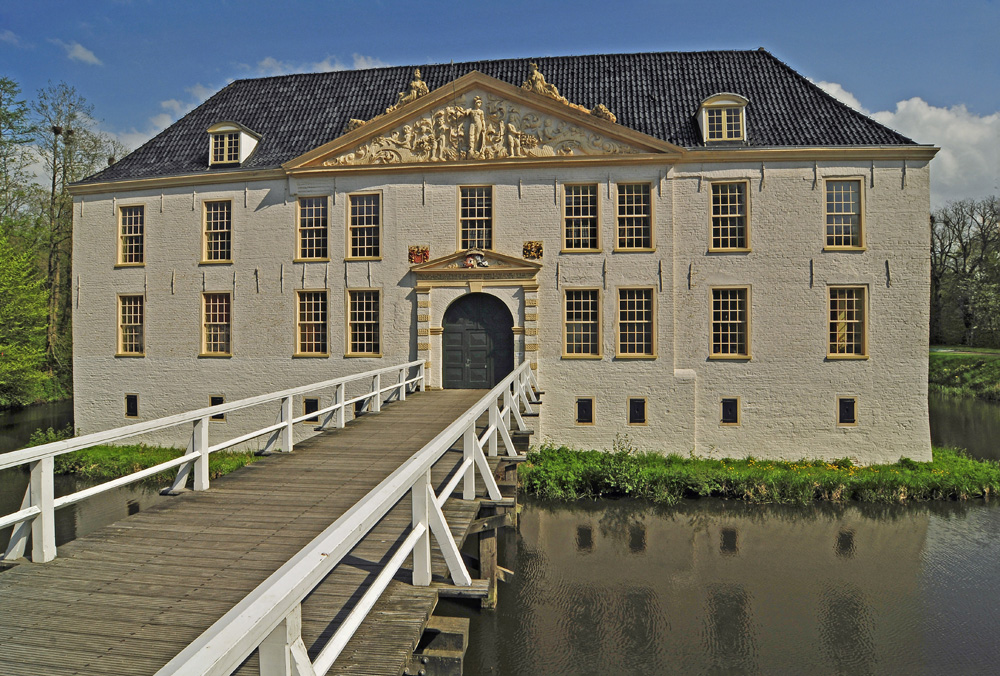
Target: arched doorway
478, 342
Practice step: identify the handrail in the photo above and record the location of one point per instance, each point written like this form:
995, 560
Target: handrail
39, 503
269, 617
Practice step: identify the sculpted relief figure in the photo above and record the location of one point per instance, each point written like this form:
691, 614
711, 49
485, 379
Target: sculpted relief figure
480, 127
536, 83
417, 89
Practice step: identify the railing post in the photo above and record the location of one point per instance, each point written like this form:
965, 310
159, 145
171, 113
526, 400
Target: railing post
420, 495
495, 424
43, 527
469, 450
402, 384
287, 436
422, 372
340, 400
283, 653
377, 394
200, 441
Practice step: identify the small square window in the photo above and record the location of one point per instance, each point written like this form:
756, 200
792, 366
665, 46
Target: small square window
310, 405
585, 411
584, 539
217, 400
729, 541
847, 411
131, 405
730, 411
636, 411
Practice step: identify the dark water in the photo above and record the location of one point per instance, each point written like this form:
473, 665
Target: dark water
17, 426
719, 587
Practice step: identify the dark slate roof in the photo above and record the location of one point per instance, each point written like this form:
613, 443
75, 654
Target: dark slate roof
657, 94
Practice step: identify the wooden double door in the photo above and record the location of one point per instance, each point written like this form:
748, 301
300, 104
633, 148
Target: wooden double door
478, 342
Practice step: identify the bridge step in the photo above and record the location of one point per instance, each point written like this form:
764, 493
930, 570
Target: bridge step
478, 590
441, 650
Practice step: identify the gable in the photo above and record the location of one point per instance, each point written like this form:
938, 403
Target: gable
477, 118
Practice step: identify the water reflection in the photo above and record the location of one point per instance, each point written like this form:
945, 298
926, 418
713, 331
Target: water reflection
16, 426
728, 588
966, 423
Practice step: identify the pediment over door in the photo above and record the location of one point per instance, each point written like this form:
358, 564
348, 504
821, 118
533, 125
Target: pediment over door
476, 265
480, 119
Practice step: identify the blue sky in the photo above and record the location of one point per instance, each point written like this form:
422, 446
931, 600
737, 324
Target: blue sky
929, 69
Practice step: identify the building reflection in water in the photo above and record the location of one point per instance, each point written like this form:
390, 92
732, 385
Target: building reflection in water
711, 587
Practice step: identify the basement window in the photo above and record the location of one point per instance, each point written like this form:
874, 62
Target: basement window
310, 405
637, 411
730, 413
217, 400
847, 411
585, 411
131, 405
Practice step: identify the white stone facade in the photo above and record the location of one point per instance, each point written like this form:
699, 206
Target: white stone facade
788, 388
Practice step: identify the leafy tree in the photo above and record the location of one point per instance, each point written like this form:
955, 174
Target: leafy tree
16, 132
22, 325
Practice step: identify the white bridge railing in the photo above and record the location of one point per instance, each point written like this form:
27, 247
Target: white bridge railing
37, 513
269, 619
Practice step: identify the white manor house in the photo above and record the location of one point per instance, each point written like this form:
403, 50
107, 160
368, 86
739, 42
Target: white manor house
702, 251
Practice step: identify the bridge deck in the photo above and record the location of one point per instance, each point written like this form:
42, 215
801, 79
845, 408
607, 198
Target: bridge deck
127, 598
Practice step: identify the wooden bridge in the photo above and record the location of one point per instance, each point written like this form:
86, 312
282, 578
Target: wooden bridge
292, 565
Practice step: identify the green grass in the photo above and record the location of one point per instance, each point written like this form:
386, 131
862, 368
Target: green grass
566, 474
965, 375
104, 463
965, 348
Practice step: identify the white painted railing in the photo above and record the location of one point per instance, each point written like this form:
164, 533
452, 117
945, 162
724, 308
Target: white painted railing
37, 513
269, 619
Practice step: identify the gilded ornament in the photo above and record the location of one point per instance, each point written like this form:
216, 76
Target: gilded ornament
532, 250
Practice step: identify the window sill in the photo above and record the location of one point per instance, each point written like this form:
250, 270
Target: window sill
310, 260
846, 357
228, 261
580, 251
363, 355
735, 424
363, 258
729, 357
590, 357
845, 248
642, 424
581, 424
634, 250
310, 355
130, 354
214, 355
734, 250
130, 265
635, 356
847, 425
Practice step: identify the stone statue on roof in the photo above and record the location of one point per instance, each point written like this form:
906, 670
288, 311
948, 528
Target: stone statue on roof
417, 89
536, 83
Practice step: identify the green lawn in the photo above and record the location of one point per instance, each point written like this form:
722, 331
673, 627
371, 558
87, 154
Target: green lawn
965, 375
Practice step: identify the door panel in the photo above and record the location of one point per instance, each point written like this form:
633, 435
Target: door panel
478, 342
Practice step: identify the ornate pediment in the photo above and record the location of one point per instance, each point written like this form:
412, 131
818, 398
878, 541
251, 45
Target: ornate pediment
478, 265
481, 125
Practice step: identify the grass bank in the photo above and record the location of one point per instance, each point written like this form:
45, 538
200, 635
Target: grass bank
965, 375
104, 463
566, 474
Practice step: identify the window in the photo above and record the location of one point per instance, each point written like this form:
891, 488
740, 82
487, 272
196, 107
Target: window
725, 124
729, 411
580, 212
585, 411
635, 224
847, 411
131, 405
310, 405
364, 226
730, 323
843, 215
226, 148
637, 411
216, 328
722, 117
217, 400
729, 217
312, 228
582, 332
131, 236
364, 330
218, 231
635, 323
131, 325
311, 331
847, 322
476, 217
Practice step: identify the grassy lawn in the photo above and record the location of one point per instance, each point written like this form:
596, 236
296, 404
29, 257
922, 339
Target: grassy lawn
965, 375
965, 349
566, 474
103, 463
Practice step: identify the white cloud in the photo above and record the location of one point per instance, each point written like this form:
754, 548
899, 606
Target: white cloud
10, 37
968, 164
200, 92
361, 62
77, 52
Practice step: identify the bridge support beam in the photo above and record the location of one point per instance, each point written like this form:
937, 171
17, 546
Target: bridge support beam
283, 653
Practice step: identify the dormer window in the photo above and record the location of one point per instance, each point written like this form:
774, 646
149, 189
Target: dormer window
230, 143
722, 118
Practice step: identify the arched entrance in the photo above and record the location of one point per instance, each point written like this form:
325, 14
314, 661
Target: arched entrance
478, 342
